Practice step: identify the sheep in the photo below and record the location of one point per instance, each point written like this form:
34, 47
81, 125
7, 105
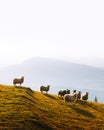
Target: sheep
79, 95
74, 91
45, 88
18, 81
61, 93
70, 97
85, 96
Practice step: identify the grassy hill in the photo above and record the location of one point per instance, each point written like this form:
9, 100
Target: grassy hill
24, 109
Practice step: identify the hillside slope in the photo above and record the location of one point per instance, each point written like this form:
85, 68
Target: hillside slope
24, 109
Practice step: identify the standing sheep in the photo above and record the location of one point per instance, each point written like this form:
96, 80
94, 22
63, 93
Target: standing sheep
70, 97
85, 96
61, 93
79, 94
45, 88
18, 81
74, 91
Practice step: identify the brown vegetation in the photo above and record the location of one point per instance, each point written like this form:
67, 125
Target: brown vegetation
24, 109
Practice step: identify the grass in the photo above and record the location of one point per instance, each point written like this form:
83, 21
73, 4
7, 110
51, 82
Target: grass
24, 109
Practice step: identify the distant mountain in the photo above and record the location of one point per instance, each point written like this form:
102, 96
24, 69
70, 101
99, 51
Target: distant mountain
92, 61
57, 73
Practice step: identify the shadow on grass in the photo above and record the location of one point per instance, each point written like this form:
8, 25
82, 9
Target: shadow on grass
90, 104
83, 112
50, 96
41, 125
25, 88
96, 108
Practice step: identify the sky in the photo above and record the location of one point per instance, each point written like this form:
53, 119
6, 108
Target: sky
50, 28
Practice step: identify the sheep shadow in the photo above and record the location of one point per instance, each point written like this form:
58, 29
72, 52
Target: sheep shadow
61, 98
96, 108
50, 96
89, 104
24, 88
83, 112
40, 125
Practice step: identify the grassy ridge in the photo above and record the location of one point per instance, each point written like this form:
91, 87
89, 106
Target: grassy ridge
24, 109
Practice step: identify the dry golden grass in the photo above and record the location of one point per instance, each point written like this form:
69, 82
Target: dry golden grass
24, 109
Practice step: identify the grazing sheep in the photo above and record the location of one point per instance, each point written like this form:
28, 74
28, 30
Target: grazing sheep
61, 93
18, 81
45, 88
85, 96
70, 97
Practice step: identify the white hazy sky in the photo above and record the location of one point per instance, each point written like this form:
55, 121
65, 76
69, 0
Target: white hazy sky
50, 28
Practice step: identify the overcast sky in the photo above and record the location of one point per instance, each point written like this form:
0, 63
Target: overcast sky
50, 28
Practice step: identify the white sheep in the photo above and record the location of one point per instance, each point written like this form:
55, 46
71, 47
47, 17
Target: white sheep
70, 97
